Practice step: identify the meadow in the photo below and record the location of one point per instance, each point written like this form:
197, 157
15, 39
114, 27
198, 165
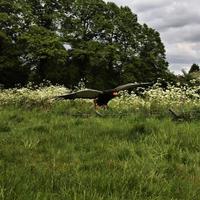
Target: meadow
63, 150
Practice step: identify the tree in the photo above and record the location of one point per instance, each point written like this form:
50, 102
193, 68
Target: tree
43, 50
194, 68
15, 18
11, 70
107, 45
152, 54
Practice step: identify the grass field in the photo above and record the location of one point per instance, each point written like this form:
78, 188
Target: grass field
62, 150
49, 154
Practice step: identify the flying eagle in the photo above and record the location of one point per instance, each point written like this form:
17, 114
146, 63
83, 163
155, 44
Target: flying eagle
101, 98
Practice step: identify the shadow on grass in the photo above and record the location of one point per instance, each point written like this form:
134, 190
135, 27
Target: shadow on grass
4, 127
141, 130
38, 129
15, 118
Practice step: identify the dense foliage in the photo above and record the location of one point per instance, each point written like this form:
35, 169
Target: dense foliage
72, 40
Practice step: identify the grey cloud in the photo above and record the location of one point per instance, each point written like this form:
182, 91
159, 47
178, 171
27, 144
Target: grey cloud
177, 68
193, 35
188, 34
171, 16
182, 55
175, 22
178, 59
146, 5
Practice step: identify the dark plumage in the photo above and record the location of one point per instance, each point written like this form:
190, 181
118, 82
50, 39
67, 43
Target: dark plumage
101, 98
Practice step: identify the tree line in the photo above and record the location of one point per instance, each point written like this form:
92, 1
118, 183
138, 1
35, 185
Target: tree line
65, 41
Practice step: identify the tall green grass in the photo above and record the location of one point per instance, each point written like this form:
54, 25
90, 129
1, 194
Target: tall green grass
54, 154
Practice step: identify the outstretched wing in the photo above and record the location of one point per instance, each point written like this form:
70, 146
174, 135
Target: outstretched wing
84, 94
131, 86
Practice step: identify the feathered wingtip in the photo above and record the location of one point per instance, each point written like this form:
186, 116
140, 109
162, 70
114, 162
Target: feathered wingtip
82, 94
66, 96
133, 85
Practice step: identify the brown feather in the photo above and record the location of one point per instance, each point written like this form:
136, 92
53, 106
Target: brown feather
131, 85
83, 94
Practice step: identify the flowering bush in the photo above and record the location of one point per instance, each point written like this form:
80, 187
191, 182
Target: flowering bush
30, 96
156, 98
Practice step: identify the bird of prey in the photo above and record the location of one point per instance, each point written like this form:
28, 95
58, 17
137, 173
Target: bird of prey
101, 98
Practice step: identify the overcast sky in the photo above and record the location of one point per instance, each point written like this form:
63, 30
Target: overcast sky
178, 23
